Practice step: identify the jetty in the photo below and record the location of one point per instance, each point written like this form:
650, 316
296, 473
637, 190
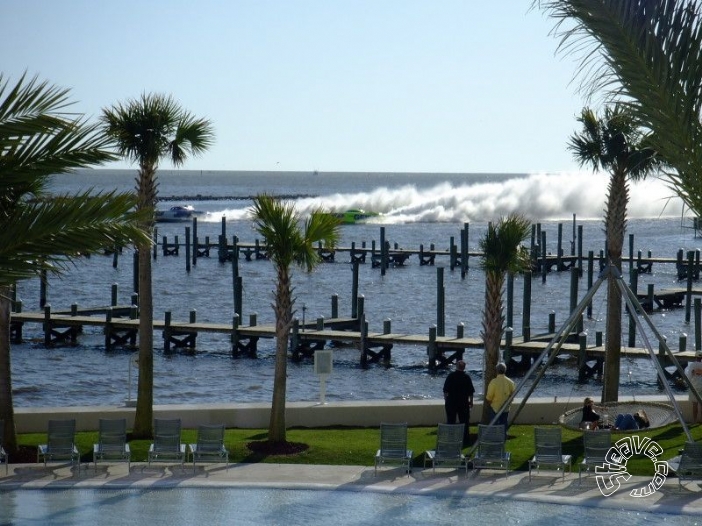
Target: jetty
305, 338
120, 323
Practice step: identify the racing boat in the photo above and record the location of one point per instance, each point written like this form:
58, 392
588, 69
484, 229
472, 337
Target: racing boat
354, 215
177, 214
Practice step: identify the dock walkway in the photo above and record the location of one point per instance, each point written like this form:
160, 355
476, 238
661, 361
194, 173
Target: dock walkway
374, 347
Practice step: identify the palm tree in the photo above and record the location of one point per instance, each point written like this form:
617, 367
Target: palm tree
279, 224
648, 55
502, 253
146, 130
39, 138
614, 143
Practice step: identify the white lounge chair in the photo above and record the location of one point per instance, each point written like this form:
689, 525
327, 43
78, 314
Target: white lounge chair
690, 465
393, 447
112, 442
596, 445
166, 446
60, 443
491, 451
209, 446
548, 450
449, 446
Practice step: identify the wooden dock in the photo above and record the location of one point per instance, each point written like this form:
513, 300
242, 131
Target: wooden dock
374, 347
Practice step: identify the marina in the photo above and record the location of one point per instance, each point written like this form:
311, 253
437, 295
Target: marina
405, 300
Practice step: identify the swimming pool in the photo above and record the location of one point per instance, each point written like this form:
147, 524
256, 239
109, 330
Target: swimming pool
215, 506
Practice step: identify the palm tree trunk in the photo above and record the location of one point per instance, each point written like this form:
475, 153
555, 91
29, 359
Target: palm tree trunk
145, 386
9, 440
146, 199
492, 331
283, 310
615, 224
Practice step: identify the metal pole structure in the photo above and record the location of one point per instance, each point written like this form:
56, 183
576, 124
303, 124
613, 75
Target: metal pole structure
634, 306
557, 341
561, 335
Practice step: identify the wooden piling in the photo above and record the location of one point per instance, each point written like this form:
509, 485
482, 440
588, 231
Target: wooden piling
631, 252
509, 320
698, 324
354, 290
238, 296
633, 285
167, 333
526, 308
47, 325
195, 241
431, 347
544, 267
135, 270
236, 283
440, 302
580, 249
383, 252
464, 249
590, 275
43, 286
187, 249
335, 306
108, 329
559, 247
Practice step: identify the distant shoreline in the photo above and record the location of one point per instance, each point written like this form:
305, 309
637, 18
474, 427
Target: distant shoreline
199, 197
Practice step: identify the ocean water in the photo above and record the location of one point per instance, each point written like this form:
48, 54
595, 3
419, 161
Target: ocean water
415, 209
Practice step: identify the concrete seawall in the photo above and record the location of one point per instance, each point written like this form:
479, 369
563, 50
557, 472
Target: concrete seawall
537, 411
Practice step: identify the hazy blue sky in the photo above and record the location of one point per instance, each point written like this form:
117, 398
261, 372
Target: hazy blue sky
331, 85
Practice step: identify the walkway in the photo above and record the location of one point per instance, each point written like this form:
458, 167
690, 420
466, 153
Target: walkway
545, 487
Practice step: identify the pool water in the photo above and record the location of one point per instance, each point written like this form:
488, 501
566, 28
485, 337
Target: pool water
216, 506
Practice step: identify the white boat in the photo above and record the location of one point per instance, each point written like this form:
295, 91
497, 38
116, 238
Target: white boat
177, 214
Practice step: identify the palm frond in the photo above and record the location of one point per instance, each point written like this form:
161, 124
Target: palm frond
502, 245
155, 126
650, 58
49, 234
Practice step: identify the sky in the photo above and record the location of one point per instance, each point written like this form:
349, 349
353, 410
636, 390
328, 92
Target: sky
329, 85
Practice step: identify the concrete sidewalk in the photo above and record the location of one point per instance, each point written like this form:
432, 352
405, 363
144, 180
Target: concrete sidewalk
547, 486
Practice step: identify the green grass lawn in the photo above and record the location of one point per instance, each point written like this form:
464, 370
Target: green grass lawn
357, 446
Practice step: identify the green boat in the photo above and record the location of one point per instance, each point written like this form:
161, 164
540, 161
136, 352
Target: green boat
353, 216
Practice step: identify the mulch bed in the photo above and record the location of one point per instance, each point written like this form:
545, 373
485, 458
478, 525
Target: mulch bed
263, 447
23, 455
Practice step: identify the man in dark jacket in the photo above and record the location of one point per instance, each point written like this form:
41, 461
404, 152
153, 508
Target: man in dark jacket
458, 397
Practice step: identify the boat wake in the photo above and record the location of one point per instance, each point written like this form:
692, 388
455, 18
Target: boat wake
539, 197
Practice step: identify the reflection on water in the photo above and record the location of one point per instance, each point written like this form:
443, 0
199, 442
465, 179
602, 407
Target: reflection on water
244, 507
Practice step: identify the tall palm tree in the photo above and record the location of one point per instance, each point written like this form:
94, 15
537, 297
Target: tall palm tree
279, 224
39, 138
503, 253
648, 55
617, 144
146, 130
